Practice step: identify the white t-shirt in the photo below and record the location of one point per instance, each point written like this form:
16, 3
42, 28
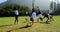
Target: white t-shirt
40, 15
16, 12
50, 11
34, 15
48, 14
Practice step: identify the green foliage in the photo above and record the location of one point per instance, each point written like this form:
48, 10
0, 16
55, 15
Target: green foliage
44, 12
7, 10
57, 9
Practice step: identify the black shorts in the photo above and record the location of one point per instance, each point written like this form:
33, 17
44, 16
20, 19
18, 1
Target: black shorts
46, 16
40, 18
16, 16
31, 19
50, 13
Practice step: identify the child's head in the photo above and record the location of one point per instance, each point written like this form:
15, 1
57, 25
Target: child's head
15, 8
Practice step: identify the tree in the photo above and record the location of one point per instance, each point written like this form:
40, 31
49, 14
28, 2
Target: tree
8, 9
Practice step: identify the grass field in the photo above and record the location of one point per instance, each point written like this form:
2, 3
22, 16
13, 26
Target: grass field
7, 25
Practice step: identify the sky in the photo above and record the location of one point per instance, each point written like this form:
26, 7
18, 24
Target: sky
6, 0
2, 1
37, 3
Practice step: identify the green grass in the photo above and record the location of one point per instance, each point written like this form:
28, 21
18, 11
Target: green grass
7, 24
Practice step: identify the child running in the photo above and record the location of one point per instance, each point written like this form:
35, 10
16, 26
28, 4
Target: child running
46, 16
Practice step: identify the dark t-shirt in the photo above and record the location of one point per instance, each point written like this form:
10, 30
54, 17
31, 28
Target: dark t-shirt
33, 10
38, 13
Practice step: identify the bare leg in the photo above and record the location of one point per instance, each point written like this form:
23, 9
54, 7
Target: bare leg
51, 18
17, 21
32, 21
47, 20
41, 20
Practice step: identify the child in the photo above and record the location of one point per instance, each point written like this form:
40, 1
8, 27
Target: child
33, 16
51, 14
40, 15
28, 18
47, 16
16, 15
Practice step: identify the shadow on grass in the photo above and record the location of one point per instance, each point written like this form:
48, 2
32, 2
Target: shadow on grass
27, 26
41, 22
5, 25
